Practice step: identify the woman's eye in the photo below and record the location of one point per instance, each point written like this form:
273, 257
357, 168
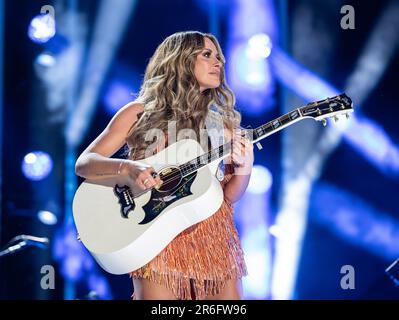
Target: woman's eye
207, 54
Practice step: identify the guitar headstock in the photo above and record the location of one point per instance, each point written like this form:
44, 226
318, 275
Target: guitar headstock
330, 107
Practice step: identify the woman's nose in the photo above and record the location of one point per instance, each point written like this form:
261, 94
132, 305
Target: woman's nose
217, 63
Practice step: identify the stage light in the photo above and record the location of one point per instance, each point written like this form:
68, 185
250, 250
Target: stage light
249, 44
256, 285
275, 231
261, 180
254, 233
251, 80
47, 217
375, 144
72, 267
255, 78
355, 221
112, 19
251, 72
45, 60
99, 284
42, 28
37, 165
290, 226
308, 85
70, 254
259, 46
299, 79
76, 264
393, 272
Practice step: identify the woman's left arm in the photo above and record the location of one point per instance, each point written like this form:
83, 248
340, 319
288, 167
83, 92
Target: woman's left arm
242, 158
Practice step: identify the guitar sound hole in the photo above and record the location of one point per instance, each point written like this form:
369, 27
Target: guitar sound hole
171, 177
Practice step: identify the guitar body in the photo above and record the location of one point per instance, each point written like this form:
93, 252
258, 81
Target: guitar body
122, 232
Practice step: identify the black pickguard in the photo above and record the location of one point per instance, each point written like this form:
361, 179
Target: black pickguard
125, 199
159, 201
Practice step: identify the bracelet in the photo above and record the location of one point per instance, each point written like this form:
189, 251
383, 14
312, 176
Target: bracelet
119, 168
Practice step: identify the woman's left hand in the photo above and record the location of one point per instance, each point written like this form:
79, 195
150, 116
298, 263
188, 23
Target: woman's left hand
242, 153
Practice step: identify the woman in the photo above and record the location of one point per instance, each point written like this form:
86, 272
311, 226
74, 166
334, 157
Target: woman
183, 79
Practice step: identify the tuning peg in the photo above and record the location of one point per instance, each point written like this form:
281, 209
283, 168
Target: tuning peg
324, 121
336, 118
259, 146
347, 115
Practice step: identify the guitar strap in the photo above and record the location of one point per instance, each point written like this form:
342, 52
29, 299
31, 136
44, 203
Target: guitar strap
215, 129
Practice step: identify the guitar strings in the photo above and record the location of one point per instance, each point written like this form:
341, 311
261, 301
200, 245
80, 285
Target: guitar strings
170, 177
226, 145
177, 175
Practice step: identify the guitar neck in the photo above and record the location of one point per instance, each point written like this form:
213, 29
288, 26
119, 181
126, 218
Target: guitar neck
254, 135
275, 125
319, 110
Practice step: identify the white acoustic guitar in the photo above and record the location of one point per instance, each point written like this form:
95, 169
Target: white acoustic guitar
124, 229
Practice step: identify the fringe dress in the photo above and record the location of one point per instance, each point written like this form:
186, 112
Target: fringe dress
201, 258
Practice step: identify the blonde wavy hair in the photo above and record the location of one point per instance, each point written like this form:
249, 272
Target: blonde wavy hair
170, 91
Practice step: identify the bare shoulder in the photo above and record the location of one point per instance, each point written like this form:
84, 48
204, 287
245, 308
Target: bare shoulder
114, 135
129, 113
125, 118
132, 108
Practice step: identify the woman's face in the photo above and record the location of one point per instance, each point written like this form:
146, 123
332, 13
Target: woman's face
208, 66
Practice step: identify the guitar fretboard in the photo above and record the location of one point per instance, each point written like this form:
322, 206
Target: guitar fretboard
274, 125
253, 135
197, 163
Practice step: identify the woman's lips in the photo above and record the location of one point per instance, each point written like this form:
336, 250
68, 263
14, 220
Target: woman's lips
215, 74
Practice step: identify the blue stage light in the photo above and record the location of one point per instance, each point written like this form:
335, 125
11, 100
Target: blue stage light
45, 60
42, 28
37, 165
99, 284
47, 217
261, 180
259, 46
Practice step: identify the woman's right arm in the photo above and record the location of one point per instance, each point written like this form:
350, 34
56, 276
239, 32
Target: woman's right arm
95, 161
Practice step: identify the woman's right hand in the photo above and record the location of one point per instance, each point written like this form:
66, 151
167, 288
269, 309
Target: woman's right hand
141, 174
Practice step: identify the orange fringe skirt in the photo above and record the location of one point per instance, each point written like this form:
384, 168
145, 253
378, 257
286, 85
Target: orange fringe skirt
201, 258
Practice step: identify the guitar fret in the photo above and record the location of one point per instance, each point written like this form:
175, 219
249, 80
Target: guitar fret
204, 159
293, 115
276, 124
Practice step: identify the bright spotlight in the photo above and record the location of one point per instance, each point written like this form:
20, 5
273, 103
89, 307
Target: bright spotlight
259, 46
255, 78
45, 60
47, 217
42, 28
275, 231
37, 165
261, 180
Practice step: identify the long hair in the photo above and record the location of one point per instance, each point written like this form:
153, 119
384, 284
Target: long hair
170, 91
